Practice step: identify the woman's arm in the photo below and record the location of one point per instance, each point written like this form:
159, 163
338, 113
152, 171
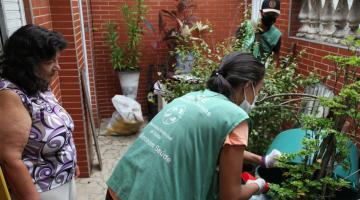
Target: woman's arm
252, 158
15, 124
230, 165
267, 161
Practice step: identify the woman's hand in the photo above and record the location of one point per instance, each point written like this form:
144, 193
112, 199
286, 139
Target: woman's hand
15, 123
270, 160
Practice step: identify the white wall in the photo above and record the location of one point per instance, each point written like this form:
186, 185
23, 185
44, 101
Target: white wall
13, 15
255, 13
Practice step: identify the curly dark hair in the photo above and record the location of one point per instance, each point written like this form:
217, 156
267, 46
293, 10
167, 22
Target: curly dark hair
29, 46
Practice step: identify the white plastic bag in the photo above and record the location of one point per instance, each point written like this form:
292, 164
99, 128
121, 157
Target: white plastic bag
128, 108
127, 119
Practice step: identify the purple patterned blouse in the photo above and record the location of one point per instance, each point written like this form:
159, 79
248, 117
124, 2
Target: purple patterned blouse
50, 153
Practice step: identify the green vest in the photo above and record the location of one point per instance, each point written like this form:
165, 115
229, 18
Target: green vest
176, 155
262, 44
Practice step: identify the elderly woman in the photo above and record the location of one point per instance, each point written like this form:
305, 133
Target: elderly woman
37, 151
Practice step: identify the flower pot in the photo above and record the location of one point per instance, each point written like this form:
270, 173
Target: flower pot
129, 82
184, 63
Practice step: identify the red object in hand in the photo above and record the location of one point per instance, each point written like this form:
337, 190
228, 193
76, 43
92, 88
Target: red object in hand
247, 176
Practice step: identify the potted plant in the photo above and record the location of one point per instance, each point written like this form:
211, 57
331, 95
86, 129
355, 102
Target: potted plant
180, 32
125, 56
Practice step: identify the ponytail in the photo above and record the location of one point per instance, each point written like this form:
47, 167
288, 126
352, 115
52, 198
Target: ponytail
236, 70
219, 84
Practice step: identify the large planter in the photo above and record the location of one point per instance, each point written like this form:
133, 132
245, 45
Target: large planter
129, 82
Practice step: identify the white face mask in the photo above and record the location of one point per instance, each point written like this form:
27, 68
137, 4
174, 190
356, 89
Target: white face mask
245, 105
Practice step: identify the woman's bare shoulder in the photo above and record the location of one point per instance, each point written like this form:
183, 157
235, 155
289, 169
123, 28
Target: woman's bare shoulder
12, 110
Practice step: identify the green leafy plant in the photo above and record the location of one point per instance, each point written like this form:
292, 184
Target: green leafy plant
244, 32
125, 56
206, 61
181, 26
324, 148
179, 23
327, 147
275, 102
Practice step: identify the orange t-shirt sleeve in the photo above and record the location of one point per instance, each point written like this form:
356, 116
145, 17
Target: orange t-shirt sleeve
238, 136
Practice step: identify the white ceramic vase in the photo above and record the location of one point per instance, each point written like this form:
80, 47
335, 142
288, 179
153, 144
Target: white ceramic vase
129, 81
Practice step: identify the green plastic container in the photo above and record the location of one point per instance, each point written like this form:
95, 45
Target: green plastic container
290, 141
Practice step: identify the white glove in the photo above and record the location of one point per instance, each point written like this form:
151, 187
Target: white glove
271, 159
261, 184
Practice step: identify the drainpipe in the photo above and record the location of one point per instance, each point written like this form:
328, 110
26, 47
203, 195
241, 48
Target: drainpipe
83, 40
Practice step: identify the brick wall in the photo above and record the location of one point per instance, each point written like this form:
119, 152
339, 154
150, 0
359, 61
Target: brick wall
90, 57
38, 12
223, 15
65, 15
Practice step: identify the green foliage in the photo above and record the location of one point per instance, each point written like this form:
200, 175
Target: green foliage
299, 183
277, 81
206, 61
326, 146
353, 43
300, 180
183, 27
117, 53
244, 34
346, 102
125, 56
347, 66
